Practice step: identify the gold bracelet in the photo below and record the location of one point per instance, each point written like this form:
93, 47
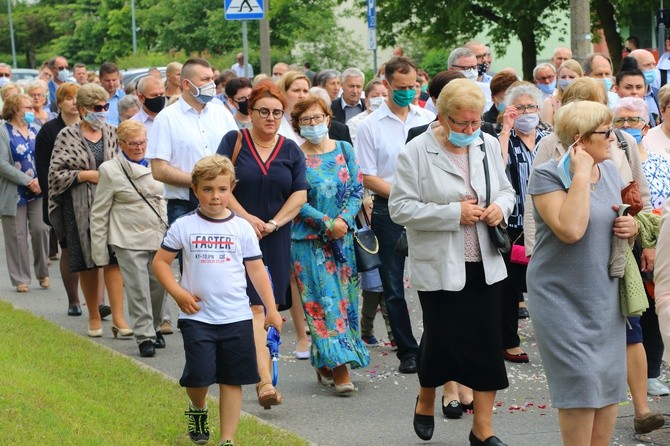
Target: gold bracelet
273, 222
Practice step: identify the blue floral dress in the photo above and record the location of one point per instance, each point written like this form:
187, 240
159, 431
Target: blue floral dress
325, 271
23, 154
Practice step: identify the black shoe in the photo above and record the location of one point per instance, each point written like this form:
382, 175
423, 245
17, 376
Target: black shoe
147, 349
491, 441
104, 310
74, 310
198, 427
523, 313
424, 425
453, 410
407, 365
160, 340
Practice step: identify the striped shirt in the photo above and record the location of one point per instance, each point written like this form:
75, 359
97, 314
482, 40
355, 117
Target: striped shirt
519, 165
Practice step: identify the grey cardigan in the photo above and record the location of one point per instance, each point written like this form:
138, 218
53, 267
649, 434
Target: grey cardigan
10, 176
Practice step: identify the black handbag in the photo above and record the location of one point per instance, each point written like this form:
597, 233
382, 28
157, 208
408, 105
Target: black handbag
366, 247
498, 234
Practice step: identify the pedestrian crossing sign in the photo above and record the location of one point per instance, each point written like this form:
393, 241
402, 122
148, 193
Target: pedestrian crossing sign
244, 9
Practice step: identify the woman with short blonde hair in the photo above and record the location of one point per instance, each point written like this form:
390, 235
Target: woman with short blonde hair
37, 90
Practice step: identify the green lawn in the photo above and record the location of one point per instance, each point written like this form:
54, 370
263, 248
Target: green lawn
59, 388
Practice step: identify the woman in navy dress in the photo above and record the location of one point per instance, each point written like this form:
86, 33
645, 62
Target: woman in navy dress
271, 189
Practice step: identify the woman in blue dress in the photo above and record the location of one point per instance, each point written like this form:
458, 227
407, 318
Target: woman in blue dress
322, 250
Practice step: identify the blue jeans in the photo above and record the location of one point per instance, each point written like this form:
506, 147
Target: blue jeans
175, 209
392, 273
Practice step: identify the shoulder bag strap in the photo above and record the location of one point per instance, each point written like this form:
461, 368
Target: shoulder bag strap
486, 175
143, 197
623, 144
238, 146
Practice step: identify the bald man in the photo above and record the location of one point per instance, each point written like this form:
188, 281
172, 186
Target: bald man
278, 70
482, 55
561, 54
151, 93
240, 68
652, 79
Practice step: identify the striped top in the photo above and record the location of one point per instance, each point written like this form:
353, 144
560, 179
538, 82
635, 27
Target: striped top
519, 165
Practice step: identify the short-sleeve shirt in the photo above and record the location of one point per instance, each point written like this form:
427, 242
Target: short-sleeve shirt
182, 136
113, 113
213, 253
381, 136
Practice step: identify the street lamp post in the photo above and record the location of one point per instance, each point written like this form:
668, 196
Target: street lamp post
11, 32
132, 15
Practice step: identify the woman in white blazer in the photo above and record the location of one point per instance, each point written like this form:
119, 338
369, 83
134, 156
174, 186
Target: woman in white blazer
440, 195
129, 215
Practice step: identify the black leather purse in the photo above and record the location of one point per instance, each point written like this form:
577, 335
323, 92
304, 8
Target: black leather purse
366, 247
498, 234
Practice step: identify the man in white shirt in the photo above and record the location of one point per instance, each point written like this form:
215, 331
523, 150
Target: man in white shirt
241, 69
599, 66
186, 131
544, 78
561, 54
151, 94
380, 138
465, 60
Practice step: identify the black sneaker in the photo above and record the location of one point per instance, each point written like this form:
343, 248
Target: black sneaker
198, 427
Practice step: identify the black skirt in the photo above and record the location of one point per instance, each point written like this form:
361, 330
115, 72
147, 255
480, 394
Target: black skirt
462, 338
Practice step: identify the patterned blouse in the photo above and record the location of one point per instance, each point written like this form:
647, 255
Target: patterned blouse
657, 172
23, 154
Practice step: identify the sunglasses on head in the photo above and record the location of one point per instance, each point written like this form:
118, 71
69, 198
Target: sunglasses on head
100, 108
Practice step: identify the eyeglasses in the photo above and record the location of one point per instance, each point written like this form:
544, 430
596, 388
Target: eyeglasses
265, 112
66, 67
136, 144
527, 108
551, 77
464, 124
37, 95
461, 67
242, 99
632, 122
607, 133
101, 108
5, 74
318, 119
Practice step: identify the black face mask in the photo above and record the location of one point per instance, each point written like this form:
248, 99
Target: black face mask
482, 68
243, 107
156, 104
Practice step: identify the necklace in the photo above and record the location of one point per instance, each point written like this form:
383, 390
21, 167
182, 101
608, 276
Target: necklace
261, 145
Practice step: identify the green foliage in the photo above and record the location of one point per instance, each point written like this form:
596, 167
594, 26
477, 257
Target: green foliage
435, 61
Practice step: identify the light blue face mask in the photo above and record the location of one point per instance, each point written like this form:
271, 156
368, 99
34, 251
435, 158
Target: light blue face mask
635, 133
563, 167
462, 139
608, 83
649, 76
29, 117
564, 83
501, 107
547, 88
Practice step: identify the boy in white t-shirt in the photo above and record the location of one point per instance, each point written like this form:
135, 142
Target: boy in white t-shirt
215, 319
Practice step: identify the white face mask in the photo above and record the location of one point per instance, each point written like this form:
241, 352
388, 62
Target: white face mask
470, 74
3, 81
375, 102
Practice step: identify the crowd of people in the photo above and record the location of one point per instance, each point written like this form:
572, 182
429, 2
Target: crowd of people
502, 191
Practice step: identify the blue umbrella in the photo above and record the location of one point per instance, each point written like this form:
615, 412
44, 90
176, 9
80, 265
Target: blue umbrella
273, 343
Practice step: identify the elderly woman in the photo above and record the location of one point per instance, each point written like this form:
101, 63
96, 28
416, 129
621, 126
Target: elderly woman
73, 175
295, 87
322, 248
129, 213
331, 81
66, 99
128, 107
574, 301
567, 73
521, 132
20, 195
657, 139
38, 92
454, 265
270, 191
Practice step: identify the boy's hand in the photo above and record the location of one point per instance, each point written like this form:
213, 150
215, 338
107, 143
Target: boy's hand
273, 318
187, 302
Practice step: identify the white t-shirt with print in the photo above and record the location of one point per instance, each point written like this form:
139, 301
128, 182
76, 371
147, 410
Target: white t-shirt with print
214, 252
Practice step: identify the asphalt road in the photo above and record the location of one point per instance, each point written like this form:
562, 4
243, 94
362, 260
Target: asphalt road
380, 412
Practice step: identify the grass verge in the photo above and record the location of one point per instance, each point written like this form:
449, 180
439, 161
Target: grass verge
59, 388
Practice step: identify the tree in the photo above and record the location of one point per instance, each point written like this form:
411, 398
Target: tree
444, 22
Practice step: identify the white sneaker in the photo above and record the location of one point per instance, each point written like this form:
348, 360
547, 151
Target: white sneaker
656, 387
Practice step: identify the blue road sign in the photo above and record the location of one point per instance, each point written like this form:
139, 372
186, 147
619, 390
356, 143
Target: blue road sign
372, 14
244, 9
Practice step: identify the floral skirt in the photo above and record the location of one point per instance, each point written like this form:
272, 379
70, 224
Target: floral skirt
329, 293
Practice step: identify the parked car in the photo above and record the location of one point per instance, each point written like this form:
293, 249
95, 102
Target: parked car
24, 74
135, 74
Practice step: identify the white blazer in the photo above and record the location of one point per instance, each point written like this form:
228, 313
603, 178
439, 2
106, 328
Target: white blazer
426, 197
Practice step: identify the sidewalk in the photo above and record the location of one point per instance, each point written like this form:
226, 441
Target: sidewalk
380, 413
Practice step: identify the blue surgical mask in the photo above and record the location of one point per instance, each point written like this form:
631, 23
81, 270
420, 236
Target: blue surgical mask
649, 76
564, 83
63, 75
564, 169
462, 139
314, 133
635, 133
29, 117
205, 93
547, 88
403, 98
501, 107
608, 83
96, 119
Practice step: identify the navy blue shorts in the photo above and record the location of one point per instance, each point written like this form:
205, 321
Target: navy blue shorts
634, 331
222, 354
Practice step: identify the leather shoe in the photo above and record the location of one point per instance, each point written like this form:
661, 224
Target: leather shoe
520, 358
453, 410
74, 310
407, 365
147, 349
160, 340
523, 313
424, 425
105, 310
491, 441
